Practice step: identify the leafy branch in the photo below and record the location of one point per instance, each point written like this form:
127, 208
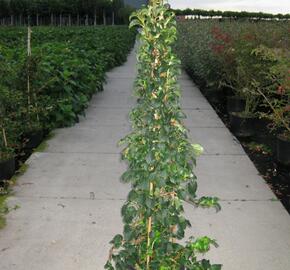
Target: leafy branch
161, 160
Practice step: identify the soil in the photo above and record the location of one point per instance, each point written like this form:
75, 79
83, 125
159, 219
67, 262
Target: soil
276, 175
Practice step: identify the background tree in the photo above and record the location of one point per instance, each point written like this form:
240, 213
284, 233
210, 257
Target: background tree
115, 6
61, 12
231, 14
4, 10
124, 13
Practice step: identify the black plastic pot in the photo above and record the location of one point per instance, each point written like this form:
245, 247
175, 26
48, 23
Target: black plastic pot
242, 126
262, 126
283, 150
46, 132
7, 169
214, 96
197, 80
235, 104
33, 139
228, 91
263, 133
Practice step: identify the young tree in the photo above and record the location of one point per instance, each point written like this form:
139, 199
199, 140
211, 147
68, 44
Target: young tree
161, 160
105, 5
19, 8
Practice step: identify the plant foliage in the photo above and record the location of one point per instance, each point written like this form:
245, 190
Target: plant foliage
161, 160
66, 68
250, 59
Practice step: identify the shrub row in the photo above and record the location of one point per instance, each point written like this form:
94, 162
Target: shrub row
51, 87
249, 65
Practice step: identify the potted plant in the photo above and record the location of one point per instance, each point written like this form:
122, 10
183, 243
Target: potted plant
246, 99
280, 118
32, 134
214, 93
7, 161
222, 49
161, 160
276, 96
235, 103
242, 120
33, 130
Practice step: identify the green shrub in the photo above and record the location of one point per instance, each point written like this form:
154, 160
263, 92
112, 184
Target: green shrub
218, 54
67, 67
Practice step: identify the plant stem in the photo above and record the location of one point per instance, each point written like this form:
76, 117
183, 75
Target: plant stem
4, 137
28, 76
29, 41
149, 229
28, 92
274, 110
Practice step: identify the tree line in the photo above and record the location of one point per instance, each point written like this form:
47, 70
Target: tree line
230, 14
63, 12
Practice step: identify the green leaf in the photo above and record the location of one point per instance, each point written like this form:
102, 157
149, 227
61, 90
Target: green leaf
216, 267
117, 241
198, 149
192, 188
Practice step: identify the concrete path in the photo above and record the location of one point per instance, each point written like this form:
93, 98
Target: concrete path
70, 197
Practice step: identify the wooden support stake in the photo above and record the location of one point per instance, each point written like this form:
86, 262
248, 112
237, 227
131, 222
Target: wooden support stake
29, 55
4, 137
149, 230
29, 41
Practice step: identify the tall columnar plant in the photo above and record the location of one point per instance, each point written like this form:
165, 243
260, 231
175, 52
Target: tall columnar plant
161, 160
32, 112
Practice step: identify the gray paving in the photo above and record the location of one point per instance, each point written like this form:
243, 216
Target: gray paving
70, 197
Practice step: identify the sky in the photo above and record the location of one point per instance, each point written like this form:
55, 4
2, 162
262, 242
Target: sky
270, 6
